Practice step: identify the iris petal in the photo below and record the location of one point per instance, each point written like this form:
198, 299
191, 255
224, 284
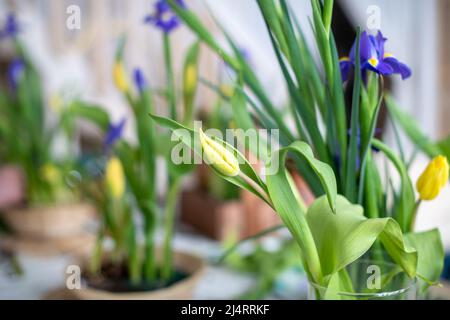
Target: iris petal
345, 66
398, 67
385, 69
114, 133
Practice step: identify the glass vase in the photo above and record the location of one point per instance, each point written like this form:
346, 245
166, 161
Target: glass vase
370, 280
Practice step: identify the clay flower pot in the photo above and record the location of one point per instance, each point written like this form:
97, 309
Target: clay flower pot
181, 290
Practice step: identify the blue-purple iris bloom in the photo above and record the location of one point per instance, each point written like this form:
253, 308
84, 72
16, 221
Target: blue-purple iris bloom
163, 17
114, 133
139, 80
11, 27
374, 58
15, 73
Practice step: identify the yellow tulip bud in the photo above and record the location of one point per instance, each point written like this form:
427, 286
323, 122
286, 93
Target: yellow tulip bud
115, 179
56, 103
50, 173
226, 90
120, 77
219, 157
433, 179
190, 78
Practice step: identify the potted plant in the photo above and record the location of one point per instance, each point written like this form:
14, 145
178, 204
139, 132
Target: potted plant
135, 269
345, 155
52, 208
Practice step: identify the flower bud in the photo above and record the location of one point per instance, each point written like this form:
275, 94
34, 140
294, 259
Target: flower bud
190, 78
120, 77
219, 157
115, 179
433, 179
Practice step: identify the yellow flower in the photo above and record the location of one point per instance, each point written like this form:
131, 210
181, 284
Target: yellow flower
190, 78
50, 173
120, 77
56, 103
433, 179
226, 90
219, 157
115, 179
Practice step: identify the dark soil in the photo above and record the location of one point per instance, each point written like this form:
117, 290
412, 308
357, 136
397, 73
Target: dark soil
115, 278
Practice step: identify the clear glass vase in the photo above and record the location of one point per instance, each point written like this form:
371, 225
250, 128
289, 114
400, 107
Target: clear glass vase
370, 280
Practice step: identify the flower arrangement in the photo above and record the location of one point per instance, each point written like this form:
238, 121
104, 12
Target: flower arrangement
359, 215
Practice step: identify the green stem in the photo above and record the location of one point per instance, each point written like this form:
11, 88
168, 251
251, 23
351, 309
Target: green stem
149, 262
171, 97
413, 218
327, 15
167, 267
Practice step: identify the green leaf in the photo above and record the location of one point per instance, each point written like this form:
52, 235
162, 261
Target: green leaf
92, 113
322, 170
344, 237
410, 126
286, 201
431, 254
444, 146
404, 205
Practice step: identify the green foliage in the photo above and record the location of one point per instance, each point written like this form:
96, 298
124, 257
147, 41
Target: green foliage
26, 137
339, 147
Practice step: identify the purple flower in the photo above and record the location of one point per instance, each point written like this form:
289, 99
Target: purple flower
163, 17
15, 73
374, 58
139, 80
114, 133
11, 27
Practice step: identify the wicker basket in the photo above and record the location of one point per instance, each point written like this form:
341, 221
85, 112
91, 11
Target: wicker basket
47, 223
182, 290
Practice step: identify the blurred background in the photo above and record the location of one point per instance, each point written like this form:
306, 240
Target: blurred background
77, 64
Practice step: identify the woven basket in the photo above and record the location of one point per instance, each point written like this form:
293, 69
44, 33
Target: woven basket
47, 223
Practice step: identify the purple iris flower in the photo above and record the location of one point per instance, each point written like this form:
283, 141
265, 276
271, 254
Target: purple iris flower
139, 80
11, 27
163, 17
114, 133
15, 73
374, 58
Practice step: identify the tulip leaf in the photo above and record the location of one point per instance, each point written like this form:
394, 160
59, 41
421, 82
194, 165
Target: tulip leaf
322, 170
293, 213
430, 252
344, 237
404, 206
444, 146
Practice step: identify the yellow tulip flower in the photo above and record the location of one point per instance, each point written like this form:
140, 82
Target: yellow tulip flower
433, 179
120, 77
115, 179
219, 157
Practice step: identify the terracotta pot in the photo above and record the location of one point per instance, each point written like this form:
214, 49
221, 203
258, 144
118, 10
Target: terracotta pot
50, 223
12, 187
211, 217
181, 290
